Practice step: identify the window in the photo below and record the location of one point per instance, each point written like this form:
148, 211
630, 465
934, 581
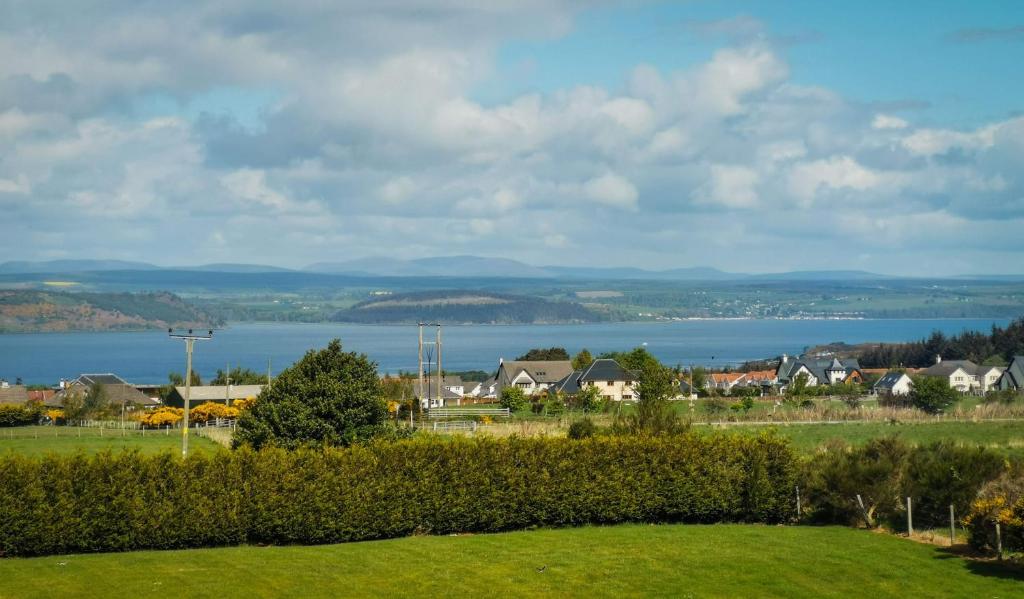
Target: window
610, 383
606, 397
523, 385
627, 397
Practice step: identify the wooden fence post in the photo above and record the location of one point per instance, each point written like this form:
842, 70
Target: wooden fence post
910, 519
952, 526
999, 541
798, 502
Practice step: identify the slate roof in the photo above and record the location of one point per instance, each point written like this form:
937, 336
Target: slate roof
948, 367
116, 388
431, 390
889, 380
1013, 376
202, 393
606, 369
818, 367
570, 385
541, 371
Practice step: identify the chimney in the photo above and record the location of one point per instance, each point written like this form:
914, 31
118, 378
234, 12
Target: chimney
785, 358
938, 359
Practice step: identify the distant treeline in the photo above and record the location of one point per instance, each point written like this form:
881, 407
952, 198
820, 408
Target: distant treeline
997, 348
453, 307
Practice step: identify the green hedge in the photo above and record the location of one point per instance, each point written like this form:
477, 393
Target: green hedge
116, 502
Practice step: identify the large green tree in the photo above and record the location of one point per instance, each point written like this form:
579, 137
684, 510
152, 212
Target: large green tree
932, 394
550, 353
329, 397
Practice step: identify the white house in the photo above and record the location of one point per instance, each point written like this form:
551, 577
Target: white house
532, 376
965, 376
892, 384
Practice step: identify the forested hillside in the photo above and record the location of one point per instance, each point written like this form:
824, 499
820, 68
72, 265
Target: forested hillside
46, 311
997, 348
464, 307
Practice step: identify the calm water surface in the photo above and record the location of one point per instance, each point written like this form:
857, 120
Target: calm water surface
147, 357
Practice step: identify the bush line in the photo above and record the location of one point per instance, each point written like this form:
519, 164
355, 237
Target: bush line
126, 501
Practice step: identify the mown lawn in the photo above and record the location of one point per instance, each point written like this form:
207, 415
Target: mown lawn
40, 440
1006, 437
629, 560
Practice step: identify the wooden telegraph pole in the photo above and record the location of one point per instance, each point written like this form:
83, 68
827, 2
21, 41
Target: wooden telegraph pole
190, 338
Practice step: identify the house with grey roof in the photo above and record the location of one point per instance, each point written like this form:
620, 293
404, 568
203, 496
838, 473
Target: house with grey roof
225, 394
964, 375
893, 383
532, 376
117, 390
612, 381
819, 371
1013, 377
452, 391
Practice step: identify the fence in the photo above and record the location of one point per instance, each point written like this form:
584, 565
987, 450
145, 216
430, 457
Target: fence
454, 425
438, 413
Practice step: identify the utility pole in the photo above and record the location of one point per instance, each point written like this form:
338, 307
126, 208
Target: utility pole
440, 373
227, 384
420, 388
190, 339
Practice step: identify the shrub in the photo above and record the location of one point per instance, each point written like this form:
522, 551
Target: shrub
126, 501
19, 415
1002, 501
210, 410
582, 429
512, 398
162, 416
932, 394
884, 472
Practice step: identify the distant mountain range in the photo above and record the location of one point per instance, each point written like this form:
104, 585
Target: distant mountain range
465, 267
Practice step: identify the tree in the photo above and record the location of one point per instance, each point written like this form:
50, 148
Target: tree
588, 399
95, 401
639, 359
799, 385
654, 412
582, 360
73, 404
239, 376
700, 377
398, 390
329, 397
512, 398
932, 394
177, 379
551, 353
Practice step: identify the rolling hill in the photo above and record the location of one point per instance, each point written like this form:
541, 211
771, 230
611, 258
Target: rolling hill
458, 307
44, 311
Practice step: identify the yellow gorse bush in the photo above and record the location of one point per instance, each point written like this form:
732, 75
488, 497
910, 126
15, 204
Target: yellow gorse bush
207, 411
160, 417
243, 404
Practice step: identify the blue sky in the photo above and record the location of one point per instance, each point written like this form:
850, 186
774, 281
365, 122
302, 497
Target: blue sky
907, 52
748, 136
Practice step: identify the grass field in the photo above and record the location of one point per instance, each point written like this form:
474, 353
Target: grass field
1007, 437
629, 560
39, 440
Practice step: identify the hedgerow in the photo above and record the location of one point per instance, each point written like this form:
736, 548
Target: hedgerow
117, 502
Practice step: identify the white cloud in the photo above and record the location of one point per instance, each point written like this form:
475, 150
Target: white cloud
807, 179
377, 105
612, 190
885, 121
729, 185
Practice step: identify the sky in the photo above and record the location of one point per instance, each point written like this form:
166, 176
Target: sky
757, 136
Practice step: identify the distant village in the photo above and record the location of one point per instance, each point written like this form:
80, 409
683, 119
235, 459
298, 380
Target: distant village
535, 377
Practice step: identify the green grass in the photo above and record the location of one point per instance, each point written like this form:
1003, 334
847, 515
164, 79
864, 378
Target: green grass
629, 560
1007, 437
40, 440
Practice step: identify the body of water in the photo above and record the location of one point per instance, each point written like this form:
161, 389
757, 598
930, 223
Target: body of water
147, 357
